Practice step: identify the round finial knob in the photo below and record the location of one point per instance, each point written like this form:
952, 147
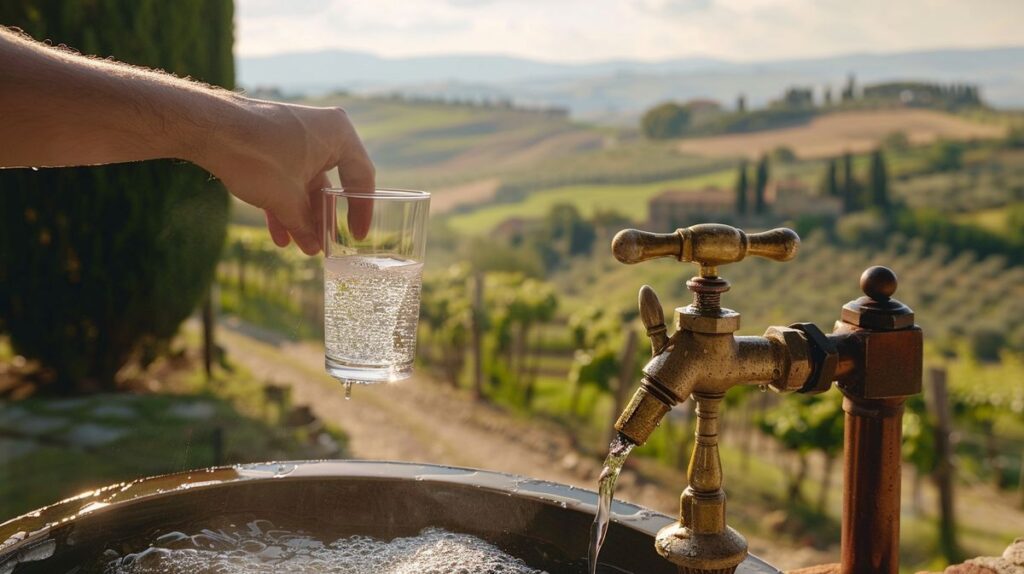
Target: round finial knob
878, 282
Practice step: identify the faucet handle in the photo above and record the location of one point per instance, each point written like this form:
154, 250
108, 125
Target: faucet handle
708, 244
653, 317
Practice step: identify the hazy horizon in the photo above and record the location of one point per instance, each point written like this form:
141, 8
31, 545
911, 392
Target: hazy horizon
566, 62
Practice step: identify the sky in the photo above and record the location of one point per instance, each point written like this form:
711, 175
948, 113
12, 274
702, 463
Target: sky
594, 30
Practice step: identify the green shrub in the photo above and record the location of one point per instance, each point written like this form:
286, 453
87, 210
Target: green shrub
664, 121
1015, 137
987, 341
758, 120
784, 154
896, 141
946, 155
99, 261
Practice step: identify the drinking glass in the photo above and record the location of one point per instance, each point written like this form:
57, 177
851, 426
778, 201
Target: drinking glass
373, 270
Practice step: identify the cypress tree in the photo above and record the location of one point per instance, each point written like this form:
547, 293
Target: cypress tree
98, 261
761, 186
879, 181
850, 188
830, 184
741, 189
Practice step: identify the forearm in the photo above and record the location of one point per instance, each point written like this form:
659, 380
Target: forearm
60, 109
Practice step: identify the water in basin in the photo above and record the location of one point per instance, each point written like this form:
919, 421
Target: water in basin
260, 547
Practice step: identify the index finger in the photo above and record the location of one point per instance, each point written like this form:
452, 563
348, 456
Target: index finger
356, 171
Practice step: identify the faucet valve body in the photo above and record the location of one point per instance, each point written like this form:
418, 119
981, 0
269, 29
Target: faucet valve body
874, 354
704, 359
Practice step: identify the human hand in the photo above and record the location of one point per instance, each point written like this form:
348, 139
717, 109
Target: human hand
277, 158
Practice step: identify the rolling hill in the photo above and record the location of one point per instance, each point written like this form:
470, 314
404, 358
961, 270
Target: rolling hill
619, 90
467, 155
427, 144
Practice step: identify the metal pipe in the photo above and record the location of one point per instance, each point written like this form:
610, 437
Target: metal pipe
871, 485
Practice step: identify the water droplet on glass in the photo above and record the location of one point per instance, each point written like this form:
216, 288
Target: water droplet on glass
348, 390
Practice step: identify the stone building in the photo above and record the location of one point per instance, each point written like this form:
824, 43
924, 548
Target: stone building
784, 199
792, 198
684, 207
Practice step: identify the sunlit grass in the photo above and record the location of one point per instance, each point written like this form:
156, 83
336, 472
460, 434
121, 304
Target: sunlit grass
155, 442
628, 200
993, 219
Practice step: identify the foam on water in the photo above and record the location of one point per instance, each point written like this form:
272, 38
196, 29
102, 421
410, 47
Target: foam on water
260, 548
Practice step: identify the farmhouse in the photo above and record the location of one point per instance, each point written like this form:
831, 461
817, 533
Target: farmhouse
792, 198
680, 207
785, 199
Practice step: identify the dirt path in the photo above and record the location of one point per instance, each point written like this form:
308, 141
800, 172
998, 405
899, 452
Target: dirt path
417, 420
479, 191
426, 421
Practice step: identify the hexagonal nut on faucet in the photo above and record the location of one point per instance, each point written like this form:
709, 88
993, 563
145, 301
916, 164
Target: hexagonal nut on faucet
690, 319
799, 364
824, 356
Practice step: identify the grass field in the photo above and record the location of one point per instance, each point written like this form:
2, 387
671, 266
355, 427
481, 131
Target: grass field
856, 131
629, 200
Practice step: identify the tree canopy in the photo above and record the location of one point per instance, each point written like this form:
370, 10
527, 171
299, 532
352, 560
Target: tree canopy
665, 121
102, 261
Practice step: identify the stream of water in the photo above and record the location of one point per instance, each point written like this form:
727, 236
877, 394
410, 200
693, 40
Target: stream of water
618, 451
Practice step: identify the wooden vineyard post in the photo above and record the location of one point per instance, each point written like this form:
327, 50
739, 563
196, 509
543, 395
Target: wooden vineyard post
208, 320
478, 316
943, 474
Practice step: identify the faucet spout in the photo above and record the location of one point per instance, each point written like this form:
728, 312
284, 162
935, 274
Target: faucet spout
650, 403
712, 363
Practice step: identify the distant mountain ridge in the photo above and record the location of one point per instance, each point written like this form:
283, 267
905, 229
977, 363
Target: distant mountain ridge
625, 87
308, 68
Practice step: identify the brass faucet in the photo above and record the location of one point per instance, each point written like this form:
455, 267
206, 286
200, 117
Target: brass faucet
704, 359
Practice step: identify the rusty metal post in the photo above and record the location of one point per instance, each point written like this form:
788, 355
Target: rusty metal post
871, 486
879, 367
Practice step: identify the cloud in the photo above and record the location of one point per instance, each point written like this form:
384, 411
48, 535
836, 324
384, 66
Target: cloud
588, 30
672, 7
